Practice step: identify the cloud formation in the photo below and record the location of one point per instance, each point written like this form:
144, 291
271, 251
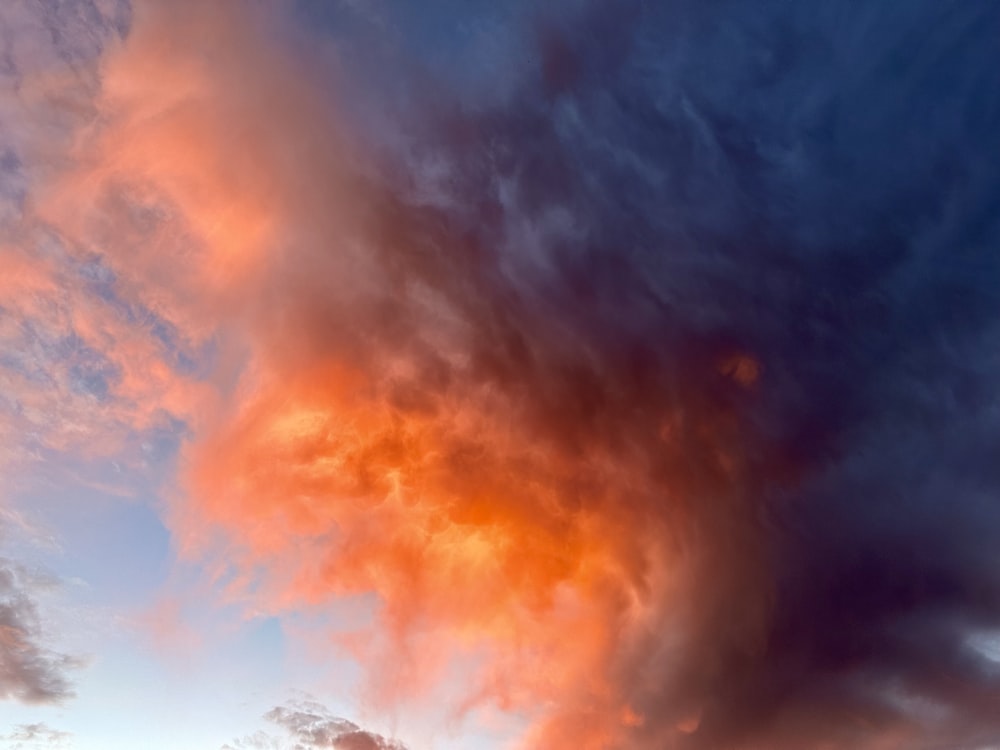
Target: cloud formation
655, 400
312, 726
88, 369
29, 671
309, 724
35, 737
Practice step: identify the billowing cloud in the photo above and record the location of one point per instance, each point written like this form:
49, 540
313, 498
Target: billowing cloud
654, 399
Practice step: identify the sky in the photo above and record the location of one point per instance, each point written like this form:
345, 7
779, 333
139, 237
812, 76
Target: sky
577, 375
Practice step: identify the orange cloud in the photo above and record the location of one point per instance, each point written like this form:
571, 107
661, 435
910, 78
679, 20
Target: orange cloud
84, 368
433, 380
457, 522
384, 414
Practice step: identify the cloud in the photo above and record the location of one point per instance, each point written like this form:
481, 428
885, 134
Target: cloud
654, 399
683, 351
88, 370
31, 736
310, 725
29, 671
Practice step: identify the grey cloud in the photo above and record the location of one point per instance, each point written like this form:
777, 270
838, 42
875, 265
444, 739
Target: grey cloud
259, 740
35, 737
29, 671
312, 726
308, 725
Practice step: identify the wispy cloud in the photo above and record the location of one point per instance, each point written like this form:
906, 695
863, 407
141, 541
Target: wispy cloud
308, 724
36, 737
29, 671
83, 365
655, 400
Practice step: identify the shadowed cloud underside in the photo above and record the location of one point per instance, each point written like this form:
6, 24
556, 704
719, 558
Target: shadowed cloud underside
644, 374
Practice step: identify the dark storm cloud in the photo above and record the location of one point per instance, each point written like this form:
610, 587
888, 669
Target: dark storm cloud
722, 273
779, 221
29, 672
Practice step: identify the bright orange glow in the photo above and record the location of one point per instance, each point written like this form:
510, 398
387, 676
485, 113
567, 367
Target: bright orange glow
444, 517
355, 436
